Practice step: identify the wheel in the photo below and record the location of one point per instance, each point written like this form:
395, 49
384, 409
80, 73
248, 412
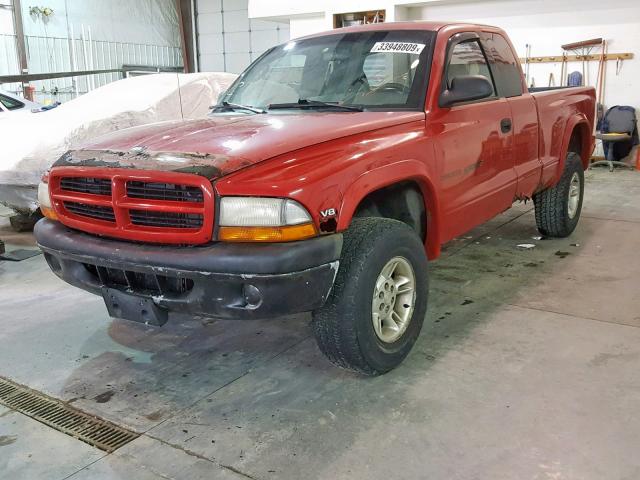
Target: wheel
376, 308
558, 208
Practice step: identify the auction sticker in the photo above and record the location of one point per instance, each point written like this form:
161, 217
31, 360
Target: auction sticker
398, 47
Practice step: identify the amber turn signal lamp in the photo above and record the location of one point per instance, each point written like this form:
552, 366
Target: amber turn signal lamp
49, 213
267, 234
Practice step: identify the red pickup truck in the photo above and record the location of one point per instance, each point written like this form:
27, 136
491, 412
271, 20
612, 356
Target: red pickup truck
324, 179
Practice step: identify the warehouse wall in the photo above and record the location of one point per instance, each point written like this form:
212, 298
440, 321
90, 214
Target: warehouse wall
312, 16
151, 22
6, 18
228, 40
140, 32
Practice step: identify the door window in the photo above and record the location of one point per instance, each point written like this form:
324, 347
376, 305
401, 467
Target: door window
467, 58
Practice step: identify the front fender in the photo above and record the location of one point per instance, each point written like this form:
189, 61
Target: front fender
389, 174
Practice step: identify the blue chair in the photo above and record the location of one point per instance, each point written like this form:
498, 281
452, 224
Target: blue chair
619, 133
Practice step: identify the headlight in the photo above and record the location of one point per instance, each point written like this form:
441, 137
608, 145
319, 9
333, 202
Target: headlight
44, 200
261, 219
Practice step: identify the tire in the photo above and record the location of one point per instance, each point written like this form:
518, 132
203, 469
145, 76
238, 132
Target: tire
344, 326
556, 213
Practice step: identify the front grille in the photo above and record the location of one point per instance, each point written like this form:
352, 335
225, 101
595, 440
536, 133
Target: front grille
94, 186
92, 211
142, 206
164, 191
165, 219
149, 283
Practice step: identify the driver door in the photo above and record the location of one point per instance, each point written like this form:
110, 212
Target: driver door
474, 141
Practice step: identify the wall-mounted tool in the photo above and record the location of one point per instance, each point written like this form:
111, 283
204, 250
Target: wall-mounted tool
583, 49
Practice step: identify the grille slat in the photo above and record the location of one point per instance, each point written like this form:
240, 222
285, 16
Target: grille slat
94, 186
99, 433
166, 219
164, 191
98, 212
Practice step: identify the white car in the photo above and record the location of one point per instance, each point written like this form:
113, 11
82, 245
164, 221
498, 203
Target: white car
31, 143
10, 103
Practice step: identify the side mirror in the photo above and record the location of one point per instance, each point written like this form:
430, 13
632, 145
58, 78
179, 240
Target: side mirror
466, 88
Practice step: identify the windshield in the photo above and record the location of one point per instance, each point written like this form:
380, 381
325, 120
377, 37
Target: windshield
371, 70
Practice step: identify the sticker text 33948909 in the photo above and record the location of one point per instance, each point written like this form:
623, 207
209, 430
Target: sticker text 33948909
398, 47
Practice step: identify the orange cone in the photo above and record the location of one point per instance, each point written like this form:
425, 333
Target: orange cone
638, 158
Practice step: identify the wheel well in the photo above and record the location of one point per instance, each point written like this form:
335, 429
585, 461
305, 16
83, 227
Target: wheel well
579, 143
401, 201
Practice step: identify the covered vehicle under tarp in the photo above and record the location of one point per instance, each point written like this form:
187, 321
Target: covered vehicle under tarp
30, 144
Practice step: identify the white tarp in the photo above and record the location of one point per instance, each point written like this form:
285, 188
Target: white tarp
32, 142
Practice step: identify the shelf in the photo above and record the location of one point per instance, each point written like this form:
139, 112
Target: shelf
358, 18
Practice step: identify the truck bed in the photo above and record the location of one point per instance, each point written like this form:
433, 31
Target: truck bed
558, 108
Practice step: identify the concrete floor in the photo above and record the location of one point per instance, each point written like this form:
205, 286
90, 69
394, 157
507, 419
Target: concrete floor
527, 368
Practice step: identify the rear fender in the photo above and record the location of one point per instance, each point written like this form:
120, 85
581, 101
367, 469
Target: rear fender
580, 122
405, 170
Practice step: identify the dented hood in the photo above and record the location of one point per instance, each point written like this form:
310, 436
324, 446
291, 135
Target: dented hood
222, 144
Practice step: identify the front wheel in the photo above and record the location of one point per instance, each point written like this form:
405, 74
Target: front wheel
558, 208
377, 306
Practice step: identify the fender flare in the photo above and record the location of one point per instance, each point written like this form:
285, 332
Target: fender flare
576, 121
384, 176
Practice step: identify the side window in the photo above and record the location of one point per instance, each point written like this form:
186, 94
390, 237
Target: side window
10, 103
506, 69
467, 58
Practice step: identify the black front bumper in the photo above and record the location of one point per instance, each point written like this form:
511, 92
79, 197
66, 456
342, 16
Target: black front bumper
223, 280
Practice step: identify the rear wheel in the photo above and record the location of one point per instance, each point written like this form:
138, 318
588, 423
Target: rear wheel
377, 306
558, 208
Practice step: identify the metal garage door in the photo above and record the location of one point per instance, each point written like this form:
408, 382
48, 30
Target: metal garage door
228, 40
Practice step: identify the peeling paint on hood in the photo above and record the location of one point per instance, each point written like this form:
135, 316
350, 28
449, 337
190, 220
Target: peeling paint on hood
205, 165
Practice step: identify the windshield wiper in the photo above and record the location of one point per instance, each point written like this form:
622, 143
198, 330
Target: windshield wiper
236, 106
304, 103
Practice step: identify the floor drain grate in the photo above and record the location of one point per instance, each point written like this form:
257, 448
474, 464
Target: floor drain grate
104, 435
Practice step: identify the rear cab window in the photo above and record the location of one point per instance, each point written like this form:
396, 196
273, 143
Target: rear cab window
506, 69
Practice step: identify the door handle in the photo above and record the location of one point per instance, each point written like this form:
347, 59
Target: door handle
505, 125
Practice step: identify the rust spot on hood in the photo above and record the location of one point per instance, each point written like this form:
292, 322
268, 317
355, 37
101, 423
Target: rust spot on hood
206, 165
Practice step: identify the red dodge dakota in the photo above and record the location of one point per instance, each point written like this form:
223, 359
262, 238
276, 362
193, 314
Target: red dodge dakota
322, 181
